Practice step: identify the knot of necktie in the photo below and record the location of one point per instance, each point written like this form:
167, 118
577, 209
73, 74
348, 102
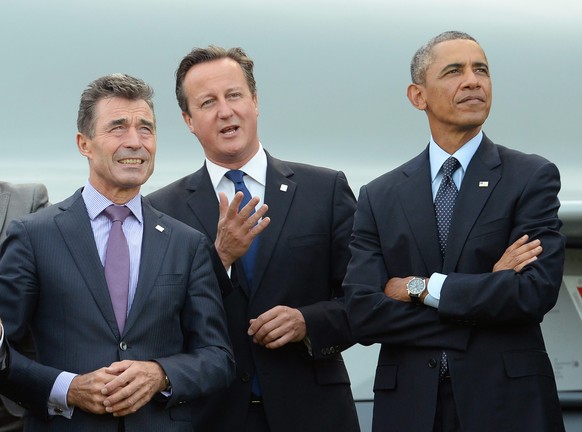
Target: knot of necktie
450, 166
235, 176
117, 213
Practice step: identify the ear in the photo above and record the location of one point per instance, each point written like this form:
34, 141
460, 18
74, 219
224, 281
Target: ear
188, 120
256, 102
416, 96
84, 145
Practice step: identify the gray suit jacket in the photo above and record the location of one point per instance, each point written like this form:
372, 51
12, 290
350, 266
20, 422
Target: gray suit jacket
52, 281
19, 199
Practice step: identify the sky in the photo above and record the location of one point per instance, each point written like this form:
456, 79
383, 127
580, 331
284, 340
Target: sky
331, 76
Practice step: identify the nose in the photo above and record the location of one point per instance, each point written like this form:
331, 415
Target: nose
224, 109
472, 80
133, 139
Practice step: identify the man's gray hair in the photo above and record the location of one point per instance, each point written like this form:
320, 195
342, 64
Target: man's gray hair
110, 86
423, 57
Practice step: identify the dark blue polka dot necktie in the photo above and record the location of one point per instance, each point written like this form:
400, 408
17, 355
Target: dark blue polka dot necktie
444, 204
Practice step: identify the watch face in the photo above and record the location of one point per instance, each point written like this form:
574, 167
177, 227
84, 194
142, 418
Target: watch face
415, 286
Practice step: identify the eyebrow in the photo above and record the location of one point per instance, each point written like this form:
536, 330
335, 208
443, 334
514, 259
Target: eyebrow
124, 121
461, 65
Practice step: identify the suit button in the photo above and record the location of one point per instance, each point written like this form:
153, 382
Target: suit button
123, 345
245, 377
432, 363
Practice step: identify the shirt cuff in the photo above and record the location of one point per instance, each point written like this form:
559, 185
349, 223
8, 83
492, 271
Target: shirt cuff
57, 403
435, 285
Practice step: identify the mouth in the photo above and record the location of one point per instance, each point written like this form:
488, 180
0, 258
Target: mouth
472, 99
229, 130
131, 161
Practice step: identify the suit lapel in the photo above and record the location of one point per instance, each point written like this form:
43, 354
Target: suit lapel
156, 237
279, 193
75, 227
483, 174
203, 203
415, 195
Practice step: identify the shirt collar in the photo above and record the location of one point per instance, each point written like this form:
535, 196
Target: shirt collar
437, 155
255, 168
96, 203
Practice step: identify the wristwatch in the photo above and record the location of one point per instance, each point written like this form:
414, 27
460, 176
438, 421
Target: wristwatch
167, 384
415, 288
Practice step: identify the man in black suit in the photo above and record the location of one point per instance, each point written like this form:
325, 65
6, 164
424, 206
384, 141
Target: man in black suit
17, 200
285, 312
111, 355
465, 353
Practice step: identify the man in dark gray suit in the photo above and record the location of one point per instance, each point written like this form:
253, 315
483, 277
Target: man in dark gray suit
461, 344
17, 200
285, 313
127, 360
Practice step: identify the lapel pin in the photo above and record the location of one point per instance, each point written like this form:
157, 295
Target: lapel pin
160, 228
284, 188
483, 184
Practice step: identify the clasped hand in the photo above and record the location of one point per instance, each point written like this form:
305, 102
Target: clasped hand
120, 389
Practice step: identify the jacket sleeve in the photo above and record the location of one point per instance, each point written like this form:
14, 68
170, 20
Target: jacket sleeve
507, 296
327, 325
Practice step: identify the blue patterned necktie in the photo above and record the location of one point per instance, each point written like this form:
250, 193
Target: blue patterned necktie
444, 204
117, 263
445, 201
249, 258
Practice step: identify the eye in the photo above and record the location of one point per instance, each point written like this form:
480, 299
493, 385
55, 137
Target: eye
482, 70
206, 103
146, 130
234, 95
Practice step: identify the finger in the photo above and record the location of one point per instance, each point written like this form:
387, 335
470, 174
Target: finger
260, 227
234, 205
249, 208
258, 214
518, 243
519, 267
528, 246
257, 323
222, 205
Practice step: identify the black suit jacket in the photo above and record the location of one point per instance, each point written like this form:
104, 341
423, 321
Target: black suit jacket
487, 322
301, 263
52, 280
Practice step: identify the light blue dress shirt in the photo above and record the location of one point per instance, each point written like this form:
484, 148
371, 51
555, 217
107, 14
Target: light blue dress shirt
437, 156
101, 225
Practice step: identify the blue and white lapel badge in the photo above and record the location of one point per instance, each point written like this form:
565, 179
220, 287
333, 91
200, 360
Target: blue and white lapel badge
284, 188
483, 184
160, 228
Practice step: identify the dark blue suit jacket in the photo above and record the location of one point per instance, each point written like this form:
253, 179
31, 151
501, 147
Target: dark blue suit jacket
52, 280
301, 263
487, 322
